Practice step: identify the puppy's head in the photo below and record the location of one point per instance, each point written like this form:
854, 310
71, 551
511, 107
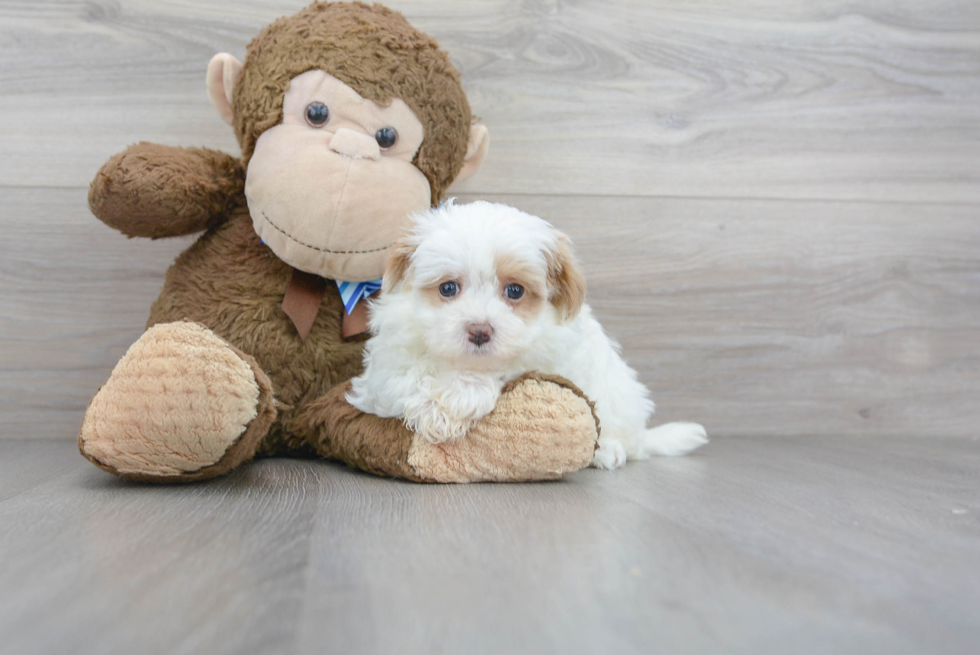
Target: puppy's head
484, 280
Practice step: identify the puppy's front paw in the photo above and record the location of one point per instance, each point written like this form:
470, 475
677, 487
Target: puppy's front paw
433, 423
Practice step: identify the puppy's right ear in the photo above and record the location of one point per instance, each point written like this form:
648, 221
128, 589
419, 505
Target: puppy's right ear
399, 261
565, 278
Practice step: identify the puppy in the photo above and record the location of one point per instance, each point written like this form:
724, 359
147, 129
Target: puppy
475, 296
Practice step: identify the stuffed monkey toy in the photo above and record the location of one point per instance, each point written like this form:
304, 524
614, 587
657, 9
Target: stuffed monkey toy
349, 120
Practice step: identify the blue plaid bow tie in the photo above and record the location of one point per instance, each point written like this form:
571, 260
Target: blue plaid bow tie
352, 292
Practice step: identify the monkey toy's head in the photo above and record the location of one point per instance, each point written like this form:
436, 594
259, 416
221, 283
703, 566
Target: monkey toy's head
349, 120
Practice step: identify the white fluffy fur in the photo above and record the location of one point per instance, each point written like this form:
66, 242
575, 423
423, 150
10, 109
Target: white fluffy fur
420, 365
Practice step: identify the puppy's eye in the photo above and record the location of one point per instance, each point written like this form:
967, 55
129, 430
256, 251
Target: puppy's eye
386, 137
448, 289
317, 114
514, 291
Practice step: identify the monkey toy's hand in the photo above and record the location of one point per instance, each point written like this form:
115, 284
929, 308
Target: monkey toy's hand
156, 191
542, 428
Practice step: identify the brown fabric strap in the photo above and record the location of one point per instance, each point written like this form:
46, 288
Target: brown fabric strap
302, 300
356, 322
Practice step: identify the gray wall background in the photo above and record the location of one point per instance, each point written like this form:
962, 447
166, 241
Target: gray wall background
777, 204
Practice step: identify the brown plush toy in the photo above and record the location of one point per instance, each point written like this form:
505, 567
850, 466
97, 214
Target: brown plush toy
348, 120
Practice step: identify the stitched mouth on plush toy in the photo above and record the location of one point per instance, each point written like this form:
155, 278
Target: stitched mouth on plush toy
326, 250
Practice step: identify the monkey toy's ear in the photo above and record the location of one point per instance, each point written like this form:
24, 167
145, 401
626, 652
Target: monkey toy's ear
223, 72
476, 151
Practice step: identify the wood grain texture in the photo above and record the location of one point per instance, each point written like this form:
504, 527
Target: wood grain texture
865, 100
753, 317
664, 137
750, 546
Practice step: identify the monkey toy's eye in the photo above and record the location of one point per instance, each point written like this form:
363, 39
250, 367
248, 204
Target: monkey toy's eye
317, 114
448, 289
514, 291
386, 137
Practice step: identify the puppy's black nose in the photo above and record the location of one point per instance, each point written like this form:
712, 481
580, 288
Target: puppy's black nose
479, 333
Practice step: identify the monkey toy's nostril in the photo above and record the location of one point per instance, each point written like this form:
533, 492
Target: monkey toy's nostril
479, 333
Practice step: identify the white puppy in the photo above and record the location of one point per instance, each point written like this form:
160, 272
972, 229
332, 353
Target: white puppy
475, 296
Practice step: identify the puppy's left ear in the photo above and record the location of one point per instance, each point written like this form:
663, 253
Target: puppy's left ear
399, 261
565, 280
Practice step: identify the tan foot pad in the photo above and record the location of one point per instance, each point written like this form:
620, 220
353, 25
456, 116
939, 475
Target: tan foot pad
540, 430
175, 403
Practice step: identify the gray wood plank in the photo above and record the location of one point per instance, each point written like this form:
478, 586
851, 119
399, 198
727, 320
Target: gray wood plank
25, 467
74, 296
800, 318
865, 100
203, 568
749, 546
754, 317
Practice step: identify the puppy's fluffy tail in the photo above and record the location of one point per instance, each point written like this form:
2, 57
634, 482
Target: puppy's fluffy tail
672, 439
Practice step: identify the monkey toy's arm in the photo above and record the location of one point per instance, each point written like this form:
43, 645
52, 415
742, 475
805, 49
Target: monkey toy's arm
156, 191
542, 428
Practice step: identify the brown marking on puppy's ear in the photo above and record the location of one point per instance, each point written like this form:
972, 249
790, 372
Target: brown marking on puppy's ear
399, 261
565, 279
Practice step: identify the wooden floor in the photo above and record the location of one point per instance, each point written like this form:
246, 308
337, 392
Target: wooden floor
751, 546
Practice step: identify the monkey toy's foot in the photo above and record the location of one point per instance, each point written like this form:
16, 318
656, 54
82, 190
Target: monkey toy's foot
542, 428
181, 405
